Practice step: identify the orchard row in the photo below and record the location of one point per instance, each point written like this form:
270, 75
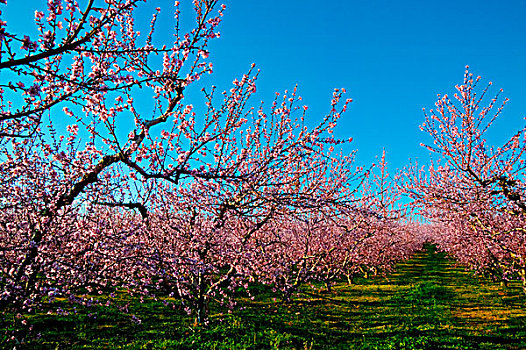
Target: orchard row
111, 180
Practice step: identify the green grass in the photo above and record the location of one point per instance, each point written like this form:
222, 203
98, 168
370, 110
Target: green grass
427, 303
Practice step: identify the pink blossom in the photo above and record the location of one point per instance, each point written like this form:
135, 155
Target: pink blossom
27, 44
34, 90
39, 15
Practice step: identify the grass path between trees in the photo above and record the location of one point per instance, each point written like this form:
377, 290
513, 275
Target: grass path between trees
427, 303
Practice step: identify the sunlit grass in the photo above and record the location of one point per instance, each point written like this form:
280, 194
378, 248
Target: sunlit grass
427, 303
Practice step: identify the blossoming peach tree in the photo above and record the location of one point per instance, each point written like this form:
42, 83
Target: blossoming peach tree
73, 137
475, 192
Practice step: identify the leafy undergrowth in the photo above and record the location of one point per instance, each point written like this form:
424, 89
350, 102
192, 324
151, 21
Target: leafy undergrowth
428, 303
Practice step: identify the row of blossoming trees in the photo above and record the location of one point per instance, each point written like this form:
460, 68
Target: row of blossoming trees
110, 179
474, 195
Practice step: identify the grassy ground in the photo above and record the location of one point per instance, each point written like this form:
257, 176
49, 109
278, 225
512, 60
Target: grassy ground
426, 304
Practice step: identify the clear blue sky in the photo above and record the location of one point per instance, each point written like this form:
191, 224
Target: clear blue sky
393, 57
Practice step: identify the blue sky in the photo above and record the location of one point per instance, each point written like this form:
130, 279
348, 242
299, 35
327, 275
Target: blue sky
393, 57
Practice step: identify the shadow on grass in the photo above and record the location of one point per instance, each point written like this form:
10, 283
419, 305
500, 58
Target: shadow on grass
427, 303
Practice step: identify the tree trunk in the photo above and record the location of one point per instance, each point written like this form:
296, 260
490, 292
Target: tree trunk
202, 302
349, 279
